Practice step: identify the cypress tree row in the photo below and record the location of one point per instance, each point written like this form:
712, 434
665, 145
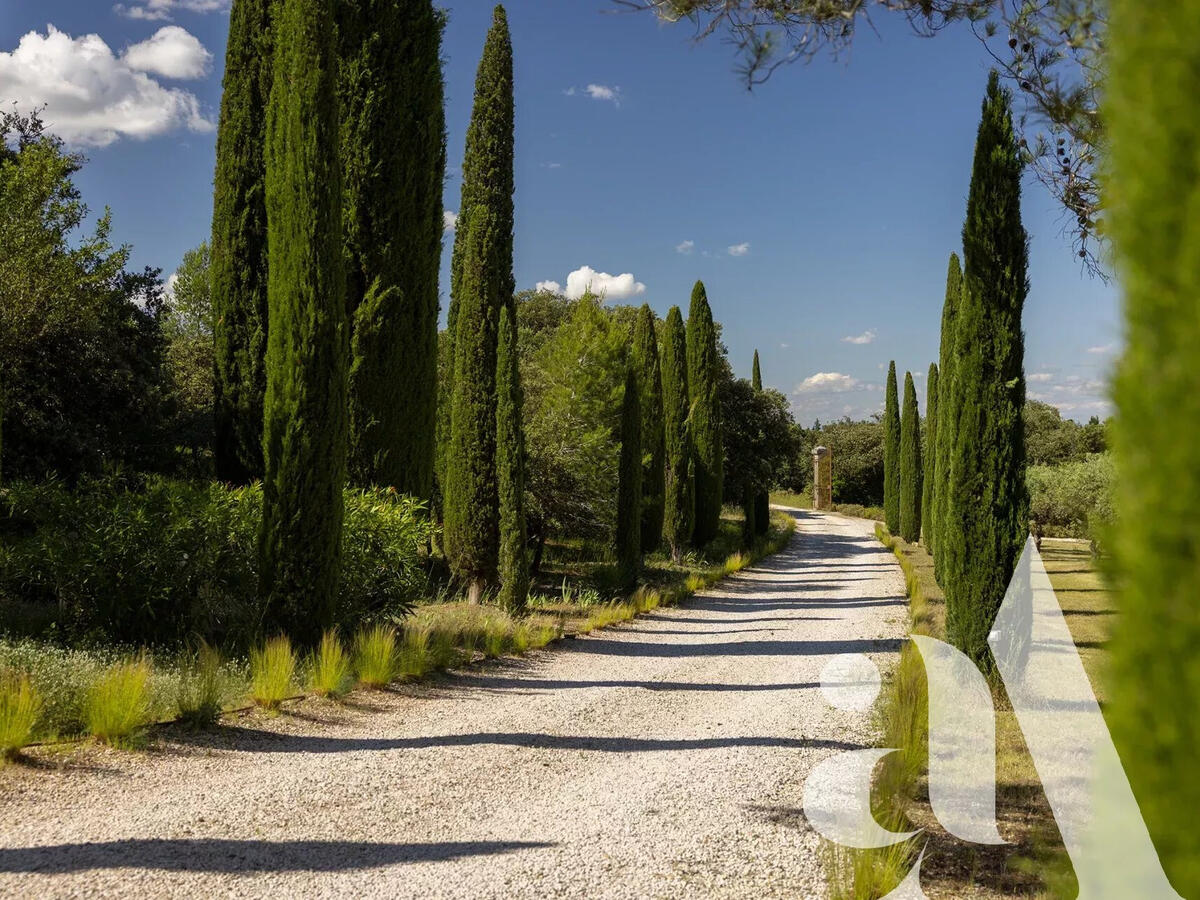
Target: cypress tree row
679, 506
629, 485
891, 454
708, 454
645, 360
762, 499
929, 456
1155, 185
911, 471
510, 468
394, 163
987, 510
947, 412
239, 245
304, 431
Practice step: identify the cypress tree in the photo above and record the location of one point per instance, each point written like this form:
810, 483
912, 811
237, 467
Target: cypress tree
394, 163
929, 456
762, 499
891, 454
679, 508
629, 485
304, 431
510, 468
947, 412
1155, 684
708, 455
239, 245
645, 358
911, 471
987, 511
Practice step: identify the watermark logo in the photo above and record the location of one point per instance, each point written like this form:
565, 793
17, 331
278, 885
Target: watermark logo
1060, 718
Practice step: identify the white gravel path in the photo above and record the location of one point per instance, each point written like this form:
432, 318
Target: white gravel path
664, 758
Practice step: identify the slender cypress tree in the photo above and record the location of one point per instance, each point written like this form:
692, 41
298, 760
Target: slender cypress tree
239, 245
394, 163
891, 454
679, 508
645, 358
911, 471
304, 432
947, 413
510, 468
629, 485
708, 454
929, 456
1155, 684
762, 499
987, 519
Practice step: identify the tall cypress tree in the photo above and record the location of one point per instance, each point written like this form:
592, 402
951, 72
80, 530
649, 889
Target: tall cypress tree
394, 163
679, 508
987, 518
891, 453
304, 432
929, 456
239, 245
1154, 82
911, 471
708, 454
645, 359
762, 499
510, 468
629, 485
947, 412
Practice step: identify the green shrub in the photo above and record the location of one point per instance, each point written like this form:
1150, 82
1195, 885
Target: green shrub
1073, 499
200, 689
272, 672
119, 704
330, 674
376, 662
19, 709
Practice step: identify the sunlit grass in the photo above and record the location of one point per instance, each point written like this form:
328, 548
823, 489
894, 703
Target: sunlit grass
119, 703
330, 670
200, 689
272, 673
376, 661
20, 706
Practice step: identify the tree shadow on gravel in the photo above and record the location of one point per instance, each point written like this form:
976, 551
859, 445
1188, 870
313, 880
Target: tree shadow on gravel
216, 855
541, 685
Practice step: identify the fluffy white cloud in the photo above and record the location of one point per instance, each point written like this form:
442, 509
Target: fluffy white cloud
739, 249
1040, 377
449, 220
171, 52
685, 248
611, 287
828, 383
552, 287
158, 10
598, 92
1102, 349
867, 337
91, 96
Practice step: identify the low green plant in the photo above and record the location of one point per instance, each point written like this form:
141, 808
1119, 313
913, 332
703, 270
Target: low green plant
330, 671
200, 689
119, 703
272, 672
376, 661
20, 706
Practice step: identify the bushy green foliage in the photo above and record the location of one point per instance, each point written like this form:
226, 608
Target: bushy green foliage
679, 509
911, 467
858, 449
20, 706
645, 359
273, 672
762, 500
929, 456
628, 536
119, 703
239, 244
758, 439
947, 409
187, 325
200, 689
1051, 439
1155, 79
891, 452
510, 468
1073, 499
708, 454
330, 673
376, 659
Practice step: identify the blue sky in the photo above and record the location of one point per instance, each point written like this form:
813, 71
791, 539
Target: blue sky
819, 208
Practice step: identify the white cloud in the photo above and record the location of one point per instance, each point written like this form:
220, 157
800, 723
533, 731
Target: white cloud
1102, 349
91, 96
158, 10
552, 287
171, 52
1040, 377
604, 92
685, 248
449, 220
828, 383
867, 337
611, 287
739, 249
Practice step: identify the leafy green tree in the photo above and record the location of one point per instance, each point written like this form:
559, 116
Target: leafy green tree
757, 437
629, 485
704, 369
929, 456
188, 330
394, 162
510, 468
304, 433
1156, 547
679, 515
987, 520
947, 411
1049, 437
645, 360
891, 453
911, 470
762, 500
239, 244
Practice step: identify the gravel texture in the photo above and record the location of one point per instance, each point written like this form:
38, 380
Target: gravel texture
664, 758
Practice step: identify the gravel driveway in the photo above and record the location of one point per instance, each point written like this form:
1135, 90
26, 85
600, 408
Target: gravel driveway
664, 758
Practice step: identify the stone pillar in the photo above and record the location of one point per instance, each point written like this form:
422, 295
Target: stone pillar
822, 478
